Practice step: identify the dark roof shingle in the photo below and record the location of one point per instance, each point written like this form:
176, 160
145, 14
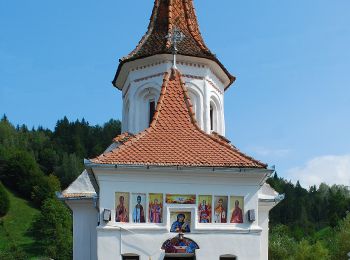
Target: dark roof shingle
166, 15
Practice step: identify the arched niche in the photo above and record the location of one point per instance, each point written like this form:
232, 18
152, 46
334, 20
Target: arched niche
180, 245
196, 96
215, 115
145, 101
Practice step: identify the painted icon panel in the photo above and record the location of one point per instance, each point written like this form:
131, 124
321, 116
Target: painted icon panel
180, 199
236, 209
180, 245
155, 208
138, 205
121, 207
220, 209
204, 208
180, 222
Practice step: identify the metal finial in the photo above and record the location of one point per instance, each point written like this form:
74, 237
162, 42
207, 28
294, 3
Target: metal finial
175, 37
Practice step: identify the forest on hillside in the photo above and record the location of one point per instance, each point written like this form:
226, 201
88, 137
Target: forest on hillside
311, 223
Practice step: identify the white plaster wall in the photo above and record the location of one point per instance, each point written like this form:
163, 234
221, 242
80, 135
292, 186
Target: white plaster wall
264, 224
114, 243
242, 240
85, 218
199, 79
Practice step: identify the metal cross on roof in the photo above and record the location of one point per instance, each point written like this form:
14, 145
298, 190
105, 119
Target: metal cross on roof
175, 37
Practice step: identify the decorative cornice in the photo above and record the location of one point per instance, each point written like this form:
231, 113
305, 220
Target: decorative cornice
190, 76
150, 77
214, 86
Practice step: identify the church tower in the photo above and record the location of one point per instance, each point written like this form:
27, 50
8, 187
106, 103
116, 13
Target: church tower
140, 74
171, 186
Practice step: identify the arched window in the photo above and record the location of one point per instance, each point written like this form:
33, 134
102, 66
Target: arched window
196, 96
146, 99
215, 116
151, 110
195, 106
211, 118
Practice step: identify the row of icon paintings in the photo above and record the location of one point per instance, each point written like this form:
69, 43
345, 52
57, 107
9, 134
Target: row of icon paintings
211, 209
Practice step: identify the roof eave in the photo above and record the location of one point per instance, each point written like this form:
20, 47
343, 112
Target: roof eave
62, 197
231, 78
242, 169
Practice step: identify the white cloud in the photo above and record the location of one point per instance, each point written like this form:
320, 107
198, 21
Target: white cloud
330, 169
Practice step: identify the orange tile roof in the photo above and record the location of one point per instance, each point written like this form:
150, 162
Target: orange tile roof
122, 138
175, 139
166, 15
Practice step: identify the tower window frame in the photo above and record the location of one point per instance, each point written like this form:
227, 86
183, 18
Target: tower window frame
151, 110
211, 115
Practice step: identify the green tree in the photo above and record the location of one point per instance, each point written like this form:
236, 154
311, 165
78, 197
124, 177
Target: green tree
7, 133
340, 244
307, 251
281, 244
4, 201
48, 160
70, 168
46, 188
53, 230
21, 173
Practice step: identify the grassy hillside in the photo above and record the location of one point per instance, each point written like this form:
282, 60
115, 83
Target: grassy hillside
15, 227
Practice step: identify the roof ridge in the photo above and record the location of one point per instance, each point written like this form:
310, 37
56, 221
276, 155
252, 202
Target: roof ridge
199, 41
160, 100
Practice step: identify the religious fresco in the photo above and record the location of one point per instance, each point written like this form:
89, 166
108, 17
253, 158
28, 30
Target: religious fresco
220, 209
180, 199
204, 208
155, 208
138, 206
180, 222
180, 245
137, 209
236, 209
121, 207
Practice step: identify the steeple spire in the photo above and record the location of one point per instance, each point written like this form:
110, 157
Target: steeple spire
166, 16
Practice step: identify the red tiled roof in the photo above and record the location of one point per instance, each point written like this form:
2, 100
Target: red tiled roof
175, 139
166, 15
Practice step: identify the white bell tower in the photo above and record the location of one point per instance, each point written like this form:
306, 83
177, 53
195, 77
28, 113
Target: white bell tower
140, 74
142, 89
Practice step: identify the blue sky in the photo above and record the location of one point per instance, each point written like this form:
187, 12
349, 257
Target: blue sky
289, 106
